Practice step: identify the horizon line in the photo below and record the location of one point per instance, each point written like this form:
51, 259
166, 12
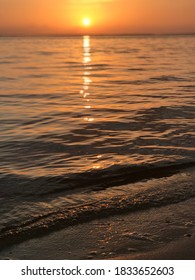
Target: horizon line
98, 35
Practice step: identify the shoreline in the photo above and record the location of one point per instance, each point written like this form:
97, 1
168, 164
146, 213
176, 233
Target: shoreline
124, 200
161, 233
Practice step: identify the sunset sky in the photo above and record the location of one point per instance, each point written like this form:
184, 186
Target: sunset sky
29, 17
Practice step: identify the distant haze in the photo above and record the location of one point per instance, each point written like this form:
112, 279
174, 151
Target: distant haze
64, 17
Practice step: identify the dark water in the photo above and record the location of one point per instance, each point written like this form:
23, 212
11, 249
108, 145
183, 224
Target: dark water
82, 117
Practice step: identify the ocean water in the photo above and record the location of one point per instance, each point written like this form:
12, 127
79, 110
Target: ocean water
83, 118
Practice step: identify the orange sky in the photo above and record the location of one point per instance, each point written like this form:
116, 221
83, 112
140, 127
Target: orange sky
20, 17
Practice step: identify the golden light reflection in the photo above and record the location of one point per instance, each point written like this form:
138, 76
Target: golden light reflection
96, 167
86, 45
86, 77
100, 156
87, 81
89, 119
86, 94
85, 91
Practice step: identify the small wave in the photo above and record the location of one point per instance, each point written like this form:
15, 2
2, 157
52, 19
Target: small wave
127, 51
150, 80
103, 75
69, 64
115, 176
165, 78
7, 79
100, 65
47, 53
187, 88
136, 69
6, 62
38, 120
29, 67
163, 113
38, 76
102, 179
157, 193
129, 82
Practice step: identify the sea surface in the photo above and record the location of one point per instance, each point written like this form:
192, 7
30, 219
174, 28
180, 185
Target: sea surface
84, 120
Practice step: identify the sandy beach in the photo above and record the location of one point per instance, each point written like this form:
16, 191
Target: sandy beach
159, 233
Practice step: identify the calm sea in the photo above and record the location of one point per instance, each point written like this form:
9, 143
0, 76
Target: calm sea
81, 118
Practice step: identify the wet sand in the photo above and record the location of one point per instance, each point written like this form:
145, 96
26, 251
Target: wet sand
180, 249
163, 233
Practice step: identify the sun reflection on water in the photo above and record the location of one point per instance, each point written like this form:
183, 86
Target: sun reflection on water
85, 91
86, 78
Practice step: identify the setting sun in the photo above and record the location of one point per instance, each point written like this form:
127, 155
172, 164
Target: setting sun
86, 22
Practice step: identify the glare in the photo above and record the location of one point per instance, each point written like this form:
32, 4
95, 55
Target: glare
86, 22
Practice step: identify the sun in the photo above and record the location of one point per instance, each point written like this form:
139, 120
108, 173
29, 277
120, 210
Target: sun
86, 22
